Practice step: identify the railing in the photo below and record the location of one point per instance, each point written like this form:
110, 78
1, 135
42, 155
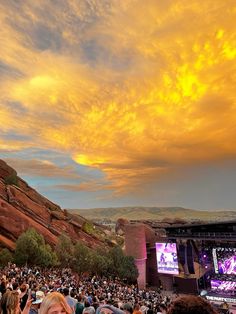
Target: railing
218, 235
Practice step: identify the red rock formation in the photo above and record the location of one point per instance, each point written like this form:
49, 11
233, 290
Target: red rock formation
5, 170
22, 207
120, 225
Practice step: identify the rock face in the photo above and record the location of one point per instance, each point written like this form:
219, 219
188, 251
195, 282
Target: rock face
120, 225
22, 207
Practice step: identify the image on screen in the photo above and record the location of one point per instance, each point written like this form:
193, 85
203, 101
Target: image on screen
167, 260
224, 261
223, 286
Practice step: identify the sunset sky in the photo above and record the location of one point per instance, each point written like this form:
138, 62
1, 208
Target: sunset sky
121, 102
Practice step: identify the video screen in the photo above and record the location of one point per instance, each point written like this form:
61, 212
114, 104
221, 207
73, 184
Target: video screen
224, 261
167, 260
223, 286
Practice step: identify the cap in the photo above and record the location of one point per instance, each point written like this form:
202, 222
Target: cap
39, 297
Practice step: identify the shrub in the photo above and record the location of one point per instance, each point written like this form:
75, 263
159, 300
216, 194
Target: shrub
88, 227
12, 179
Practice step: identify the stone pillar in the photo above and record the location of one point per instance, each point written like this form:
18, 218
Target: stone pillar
135, 245
141, 265
186, 270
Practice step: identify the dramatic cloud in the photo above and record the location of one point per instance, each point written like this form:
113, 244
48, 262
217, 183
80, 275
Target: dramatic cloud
42, 168
133, 88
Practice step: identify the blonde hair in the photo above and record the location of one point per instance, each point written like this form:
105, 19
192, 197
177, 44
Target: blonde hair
54, 298
13, 303
3, 302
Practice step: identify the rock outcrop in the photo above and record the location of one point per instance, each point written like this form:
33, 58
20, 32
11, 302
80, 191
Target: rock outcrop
22, 207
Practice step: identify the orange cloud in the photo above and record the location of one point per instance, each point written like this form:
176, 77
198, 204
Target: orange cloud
132, 88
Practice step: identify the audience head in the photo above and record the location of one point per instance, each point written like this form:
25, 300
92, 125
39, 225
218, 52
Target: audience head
86, 303
54, 302
23, 288
128, 309
15, 285
10, 303
66, 291
3, 303
191, 305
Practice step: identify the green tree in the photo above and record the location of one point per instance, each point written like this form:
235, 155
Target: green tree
65, 251
5, 257
31, 249
27, 247
128, 270
115, 255
121, 265
99, 263
82, 258
46, 257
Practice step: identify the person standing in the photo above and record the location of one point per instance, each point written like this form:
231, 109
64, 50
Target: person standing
79, 306
70, 301
23, 295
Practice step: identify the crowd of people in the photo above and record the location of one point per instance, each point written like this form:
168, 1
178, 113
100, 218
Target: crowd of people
60, 291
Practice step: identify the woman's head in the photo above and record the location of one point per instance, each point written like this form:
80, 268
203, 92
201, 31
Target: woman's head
12, 302
54, 303
3, 303
23, 288
191, 305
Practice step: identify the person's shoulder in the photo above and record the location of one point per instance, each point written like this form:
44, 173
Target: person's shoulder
79, 305
33, 311
89, 310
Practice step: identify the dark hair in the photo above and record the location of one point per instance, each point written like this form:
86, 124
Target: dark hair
15, 285
66, 291
23, 288
86, 303
191, 305
72, 293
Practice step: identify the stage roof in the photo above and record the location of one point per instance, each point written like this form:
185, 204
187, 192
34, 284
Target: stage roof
214, 230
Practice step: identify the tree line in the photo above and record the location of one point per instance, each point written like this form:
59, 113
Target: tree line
32, 250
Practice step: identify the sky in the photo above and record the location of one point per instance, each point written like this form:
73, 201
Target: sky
111, 103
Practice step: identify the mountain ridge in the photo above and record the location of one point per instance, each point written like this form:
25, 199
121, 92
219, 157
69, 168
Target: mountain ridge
153, 213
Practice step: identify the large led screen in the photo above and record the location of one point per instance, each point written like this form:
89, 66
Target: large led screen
224, 260
167, 260
223, 286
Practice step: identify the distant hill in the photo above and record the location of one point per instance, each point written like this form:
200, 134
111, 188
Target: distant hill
154, 213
